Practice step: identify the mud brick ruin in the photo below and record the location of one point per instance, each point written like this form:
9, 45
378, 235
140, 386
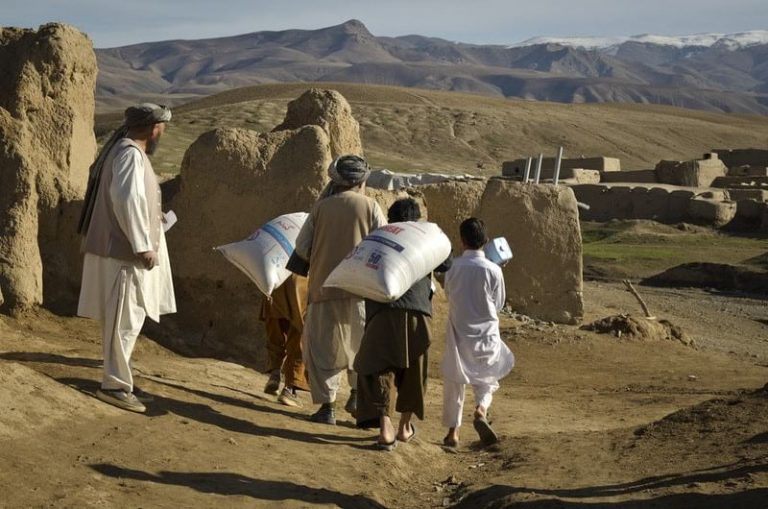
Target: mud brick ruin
724, 189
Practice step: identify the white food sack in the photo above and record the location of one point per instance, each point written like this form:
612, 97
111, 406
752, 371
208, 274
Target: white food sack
390, 260
264, 255
498, 251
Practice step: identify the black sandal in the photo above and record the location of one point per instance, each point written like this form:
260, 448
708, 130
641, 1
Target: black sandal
386, 446
484, 430
450, 443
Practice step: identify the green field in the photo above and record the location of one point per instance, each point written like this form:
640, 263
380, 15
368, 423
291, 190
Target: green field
638, 249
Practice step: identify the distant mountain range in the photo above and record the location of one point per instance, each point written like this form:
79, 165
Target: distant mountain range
736, 41
716, 72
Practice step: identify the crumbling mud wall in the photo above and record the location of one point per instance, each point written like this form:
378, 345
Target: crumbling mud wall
516, 168
541, 224
450, 203
665, 204
232, 181
385, 198
329, 110
754, 183
644, 176
695, 173
670, 204
749, 215
712, 211
742, 157
46, 146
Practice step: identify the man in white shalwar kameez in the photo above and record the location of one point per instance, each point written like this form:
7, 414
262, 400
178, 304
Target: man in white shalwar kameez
474, 351
126, 269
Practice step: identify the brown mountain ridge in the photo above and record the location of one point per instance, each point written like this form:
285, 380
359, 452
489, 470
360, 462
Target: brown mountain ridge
714, 79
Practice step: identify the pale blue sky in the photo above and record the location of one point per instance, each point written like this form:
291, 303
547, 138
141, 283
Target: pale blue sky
111, 23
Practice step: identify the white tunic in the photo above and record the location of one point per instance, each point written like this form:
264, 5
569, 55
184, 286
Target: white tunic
474, 351
100, 274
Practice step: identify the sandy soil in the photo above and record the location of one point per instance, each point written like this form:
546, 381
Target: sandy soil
586, 420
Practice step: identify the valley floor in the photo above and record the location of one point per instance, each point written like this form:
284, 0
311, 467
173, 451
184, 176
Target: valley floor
586, 421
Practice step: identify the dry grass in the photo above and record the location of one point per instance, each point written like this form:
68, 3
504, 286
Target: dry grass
416, 130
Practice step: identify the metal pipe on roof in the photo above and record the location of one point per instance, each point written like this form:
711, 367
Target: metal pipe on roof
538, 168
556, 176
527, 174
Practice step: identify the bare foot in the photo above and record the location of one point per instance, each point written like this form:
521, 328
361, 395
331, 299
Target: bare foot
406, 433
387, 431
405, 430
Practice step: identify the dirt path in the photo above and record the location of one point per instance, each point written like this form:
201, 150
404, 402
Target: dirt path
569, 416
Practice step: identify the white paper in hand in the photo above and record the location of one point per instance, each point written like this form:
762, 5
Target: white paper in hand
390, 260
169, 219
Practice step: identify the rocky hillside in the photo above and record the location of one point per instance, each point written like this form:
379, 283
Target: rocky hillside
726, 76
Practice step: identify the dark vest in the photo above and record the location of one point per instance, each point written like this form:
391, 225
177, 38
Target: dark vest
418, 299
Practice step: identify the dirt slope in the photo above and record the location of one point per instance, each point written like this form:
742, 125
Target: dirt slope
417, 130
583, 420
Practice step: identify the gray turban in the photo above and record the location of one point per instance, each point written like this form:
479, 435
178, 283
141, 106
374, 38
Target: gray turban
135, 116
146, 114
349, 171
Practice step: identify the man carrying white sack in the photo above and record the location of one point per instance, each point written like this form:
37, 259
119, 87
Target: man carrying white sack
335, 320
474, 351
126, 270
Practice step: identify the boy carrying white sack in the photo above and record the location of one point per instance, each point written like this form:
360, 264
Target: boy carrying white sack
474, 351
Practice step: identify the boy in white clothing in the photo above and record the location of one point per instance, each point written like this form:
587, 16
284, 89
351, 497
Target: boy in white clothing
474, 351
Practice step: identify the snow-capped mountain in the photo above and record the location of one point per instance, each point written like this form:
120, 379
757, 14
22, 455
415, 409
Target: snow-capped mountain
730, 41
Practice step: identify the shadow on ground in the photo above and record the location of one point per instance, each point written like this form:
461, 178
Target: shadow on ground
50, 358
494, 496
226, 483
205, 414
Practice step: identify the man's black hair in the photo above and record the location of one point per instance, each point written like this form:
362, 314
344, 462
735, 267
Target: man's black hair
473, 233
404, 209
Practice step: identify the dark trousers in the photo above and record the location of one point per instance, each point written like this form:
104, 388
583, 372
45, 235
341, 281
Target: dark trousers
390, 390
